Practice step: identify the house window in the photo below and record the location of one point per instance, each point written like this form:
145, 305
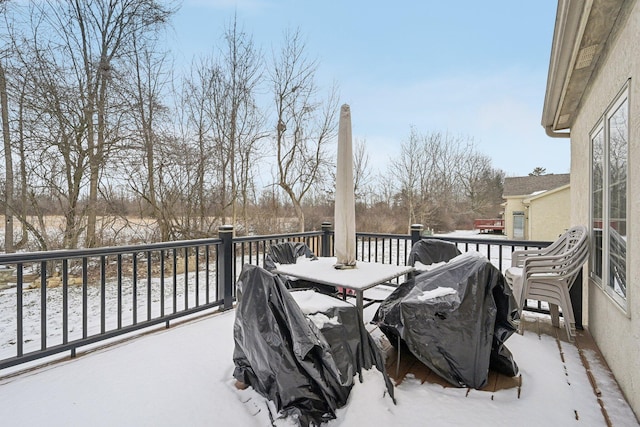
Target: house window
609, 164
518, 225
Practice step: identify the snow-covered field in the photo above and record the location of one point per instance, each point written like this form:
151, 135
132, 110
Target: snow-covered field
113, 230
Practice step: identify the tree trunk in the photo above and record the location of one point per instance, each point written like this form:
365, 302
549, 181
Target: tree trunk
8, 161
96, 154
23, 175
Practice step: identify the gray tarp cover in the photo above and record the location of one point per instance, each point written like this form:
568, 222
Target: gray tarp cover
431, 251
288, 253
455, 319
307, 372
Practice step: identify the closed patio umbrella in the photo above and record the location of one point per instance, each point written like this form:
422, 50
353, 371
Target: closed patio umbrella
345, 208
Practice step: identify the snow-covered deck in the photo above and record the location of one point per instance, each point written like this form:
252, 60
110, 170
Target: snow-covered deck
183, 377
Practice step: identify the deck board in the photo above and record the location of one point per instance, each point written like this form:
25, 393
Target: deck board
410, 367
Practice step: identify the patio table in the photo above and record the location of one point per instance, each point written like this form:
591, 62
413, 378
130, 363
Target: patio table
365, 275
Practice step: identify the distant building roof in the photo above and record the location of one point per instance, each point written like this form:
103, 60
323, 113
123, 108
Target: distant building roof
527, 185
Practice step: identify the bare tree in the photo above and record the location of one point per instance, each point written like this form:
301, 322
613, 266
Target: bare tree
143, 97
19, 117
27, 227
362, 174
53, 132
197, 132
442, 181
93, 37
221, 122
237, 120
411, 172
304, 125
481, 185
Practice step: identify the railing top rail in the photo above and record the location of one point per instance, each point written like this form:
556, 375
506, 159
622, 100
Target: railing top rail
383, 235
278, 236
114, 250
502, 242
110, 250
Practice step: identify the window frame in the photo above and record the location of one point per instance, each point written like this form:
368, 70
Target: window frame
598, 273
520, 217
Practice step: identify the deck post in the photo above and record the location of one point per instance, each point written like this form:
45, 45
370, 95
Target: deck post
575, 294
325, 249
416, 233
225, 266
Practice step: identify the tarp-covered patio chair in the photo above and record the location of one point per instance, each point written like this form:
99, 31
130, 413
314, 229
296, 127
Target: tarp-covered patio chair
304, 361
423, 253
426, 254
288, 253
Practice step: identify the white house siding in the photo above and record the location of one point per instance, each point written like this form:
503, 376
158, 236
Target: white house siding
617, 332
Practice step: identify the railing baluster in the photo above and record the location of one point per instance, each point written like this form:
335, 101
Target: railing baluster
186, 278
149, 274
43, 306
65, 301
103, 296
234, 272
134, 288
207, 271
175, 280
217, 276
197, 273
383, 251
85, 298
20, 311
162, 283
119, 304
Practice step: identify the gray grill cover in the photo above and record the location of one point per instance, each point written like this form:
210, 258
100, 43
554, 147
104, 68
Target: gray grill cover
455, 319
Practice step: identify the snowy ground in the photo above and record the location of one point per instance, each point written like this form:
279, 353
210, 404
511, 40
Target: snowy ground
183, 377
144, 296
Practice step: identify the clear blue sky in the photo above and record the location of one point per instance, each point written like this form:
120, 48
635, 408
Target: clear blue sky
468, 68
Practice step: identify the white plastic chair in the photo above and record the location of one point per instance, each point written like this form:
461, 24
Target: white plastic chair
547, 274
